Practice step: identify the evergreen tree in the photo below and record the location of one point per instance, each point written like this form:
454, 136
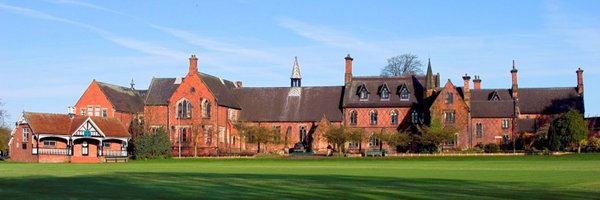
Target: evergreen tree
567, 130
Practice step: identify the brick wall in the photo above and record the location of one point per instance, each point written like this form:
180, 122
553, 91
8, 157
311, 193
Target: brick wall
492, 130
17, 153
440, 106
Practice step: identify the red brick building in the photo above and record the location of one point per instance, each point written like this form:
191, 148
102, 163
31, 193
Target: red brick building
43, 137
199, 110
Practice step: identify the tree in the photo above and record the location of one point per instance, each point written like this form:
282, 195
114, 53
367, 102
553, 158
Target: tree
567, 130
402, 65
357, 135
337, 136
136, 130
153, 145
436, 134
4, 131
257, 134
395, 138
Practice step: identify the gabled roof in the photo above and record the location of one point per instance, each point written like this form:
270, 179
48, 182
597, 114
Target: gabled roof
284, 104
62, 124
549, 100
161, 90
124, 99
413, 84
492, 109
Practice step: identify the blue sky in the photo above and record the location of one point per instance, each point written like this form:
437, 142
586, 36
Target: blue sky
51, 50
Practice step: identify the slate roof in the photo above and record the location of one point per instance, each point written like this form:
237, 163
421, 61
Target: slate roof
373, 84
124, 99
285, 104
492, 109
161, 90
62, 124
549, 100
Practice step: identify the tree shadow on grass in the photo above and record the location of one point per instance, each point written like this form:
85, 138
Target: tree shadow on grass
271, 186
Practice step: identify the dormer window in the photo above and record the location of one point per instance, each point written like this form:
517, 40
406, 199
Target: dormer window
363, 93
495, 96
404, 95
384, 92
415, 117
449, 98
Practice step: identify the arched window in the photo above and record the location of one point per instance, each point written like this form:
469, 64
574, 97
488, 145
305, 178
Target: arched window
206, 109
449, 98
85, 148
479, 128
184, 135
303, 135
353, 117
374, 116
184, 109
394, 117
415, 117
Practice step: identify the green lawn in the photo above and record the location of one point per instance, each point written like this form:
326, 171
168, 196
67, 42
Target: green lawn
527, 177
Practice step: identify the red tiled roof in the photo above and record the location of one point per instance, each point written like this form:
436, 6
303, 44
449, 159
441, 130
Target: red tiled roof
62, 124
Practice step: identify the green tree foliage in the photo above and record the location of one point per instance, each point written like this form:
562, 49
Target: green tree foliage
591, 144
358, 135
567, 130
402, 65
136, 130
258, 134
337, 135
491, 148
435, 135
395, 138
153, 145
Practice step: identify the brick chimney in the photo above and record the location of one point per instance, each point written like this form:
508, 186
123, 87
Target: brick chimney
467, 89
477, 83
348, 74
193, 65
580, 81
515, 81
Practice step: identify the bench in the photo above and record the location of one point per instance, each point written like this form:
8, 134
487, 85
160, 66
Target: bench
116, 159
375, 152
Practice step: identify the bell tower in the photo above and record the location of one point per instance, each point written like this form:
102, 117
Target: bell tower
296, 78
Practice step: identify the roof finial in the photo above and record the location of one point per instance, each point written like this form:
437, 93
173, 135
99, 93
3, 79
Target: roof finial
514, 64
132, 84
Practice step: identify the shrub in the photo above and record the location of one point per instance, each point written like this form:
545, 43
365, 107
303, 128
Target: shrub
591, 144
491, 148
153, 145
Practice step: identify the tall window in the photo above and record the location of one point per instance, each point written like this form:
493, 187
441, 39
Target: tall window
206, 109
414, 117
385, 93
97, 111
85, 148
277, 130
404, 94
25, 134
449, 117
303, 134
479, 128
82, 111
449, 98
184, 109
184, 135
363, 94
374, 141
208, 135
374, 116
222, 134
353, 117
104, 112
506, 139
90, 111
394, 116
505, 124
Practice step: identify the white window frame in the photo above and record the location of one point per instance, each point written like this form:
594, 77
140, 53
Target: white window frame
49, 143
90, 110
25, 134
83, 112
97, 111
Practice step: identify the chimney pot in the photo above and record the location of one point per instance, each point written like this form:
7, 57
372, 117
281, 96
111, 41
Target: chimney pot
193, 64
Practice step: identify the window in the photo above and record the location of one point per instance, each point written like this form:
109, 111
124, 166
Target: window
495, 98
277, 130
184, 109
385, 93
82, 111
232, 115
374, 116
505, 139
206, 109
233, 140
90, 110
25, 134
505, 124
85, 149
97, 111
374, 141
353, 117
208, 135
104, 112
49, 143
106, 144
394, 117
449, 98
222, 134
414, 117
303, 134
352, 144
479, 128
363, 93
184, 135
404, 94
449, 117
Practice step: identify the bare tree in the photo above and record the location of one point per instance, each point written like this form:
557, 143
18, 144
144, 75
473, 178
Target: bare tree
403, 65
3, 114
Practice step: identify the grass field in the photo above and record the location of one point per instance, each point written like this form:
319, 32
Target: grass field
526, 177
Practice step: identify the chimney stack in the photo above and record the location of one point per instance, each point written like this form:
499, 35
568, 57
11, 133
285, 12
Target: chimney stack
580, 81
71, 112
467, 89
477, 83
193, 65
239, 84
515, 81
348, 75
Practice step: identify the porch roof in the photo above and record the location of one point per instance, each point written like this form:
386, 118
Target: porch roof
62, 124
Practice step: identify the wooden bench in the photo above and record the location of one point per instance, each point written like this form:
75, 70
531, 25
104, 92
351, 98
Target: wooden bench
375, 152
116, 159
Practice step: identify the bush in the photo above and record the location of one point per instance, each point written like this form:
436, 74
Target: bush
591, 144
491, 148
153, 145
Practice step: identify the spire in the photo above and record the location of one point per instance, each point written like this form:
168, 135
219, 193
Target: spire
132, 84
429, 79
296, 77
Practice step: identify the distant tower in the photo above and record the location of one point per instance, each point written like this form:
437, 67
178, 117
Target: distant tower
296, 77
132, 84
